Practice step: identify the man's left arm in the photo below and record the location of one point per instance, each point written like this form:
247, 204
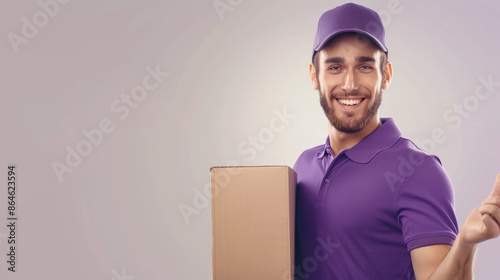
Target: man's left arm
456, 262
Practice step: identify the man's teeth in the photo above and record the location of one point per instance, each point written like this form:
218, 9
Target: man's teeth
349, 102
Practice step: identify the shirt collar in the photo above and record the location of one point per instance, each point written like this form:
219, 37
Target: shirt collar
382, 138
327, 149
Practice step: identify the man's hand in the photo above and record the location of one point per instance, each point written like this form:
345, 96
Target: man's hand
483, 223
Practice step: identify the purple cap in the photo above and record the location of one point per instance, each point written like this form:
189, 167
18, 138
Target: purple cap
349, 17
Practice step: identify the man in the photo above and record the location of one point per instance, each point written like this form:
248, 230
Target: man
370, 204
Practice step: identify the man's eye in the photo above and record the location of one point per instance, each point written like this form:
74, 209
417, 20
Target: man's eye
366, 67
336, 68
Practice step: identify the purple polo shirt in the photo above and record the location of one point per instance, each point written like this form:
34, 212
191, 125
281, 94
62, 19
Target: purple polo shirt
358, 214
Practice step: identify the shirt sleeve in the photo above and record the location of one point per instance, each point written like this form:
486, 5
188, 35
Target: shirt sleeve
425, 205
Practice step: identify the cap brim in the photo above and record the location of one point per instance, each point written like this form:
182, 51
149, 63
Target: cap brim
328, 38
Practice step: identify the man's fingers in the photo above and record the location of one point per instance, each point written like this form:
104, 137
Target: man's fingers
496, 188
492, 200
492, 211
492, 229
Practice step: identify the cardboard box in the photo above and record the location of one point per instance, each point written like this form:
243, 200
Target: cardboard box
253, 222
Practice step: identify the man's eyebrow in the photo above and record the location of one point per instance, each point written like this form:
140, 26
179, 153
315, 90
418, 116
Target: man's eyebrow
365, 59
334, 60
342, 60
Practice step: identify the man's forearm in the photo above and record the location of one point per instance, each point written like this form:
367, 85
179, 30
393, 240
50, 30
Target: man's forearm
458, 264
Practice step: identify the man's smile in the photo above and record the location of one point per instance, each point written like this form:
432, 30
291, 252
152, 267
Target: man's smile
350, 103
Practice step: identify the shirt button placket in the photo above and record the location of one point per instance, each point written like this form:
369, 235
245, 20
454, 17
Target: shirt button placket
325, 183
322, 192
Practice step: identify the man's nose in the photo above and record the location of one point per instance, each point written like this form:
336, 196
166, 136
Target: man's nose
350, 81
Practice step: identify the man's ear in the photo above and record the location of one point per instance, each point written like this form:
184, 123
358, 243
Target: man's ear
388, 75
312, 73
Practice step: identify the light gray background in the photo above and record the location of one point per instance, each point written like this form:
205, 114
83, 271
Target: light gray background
116, 215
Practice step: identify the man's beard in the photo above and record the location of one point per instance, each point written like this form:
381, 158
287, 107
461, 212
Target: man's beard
350, 124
